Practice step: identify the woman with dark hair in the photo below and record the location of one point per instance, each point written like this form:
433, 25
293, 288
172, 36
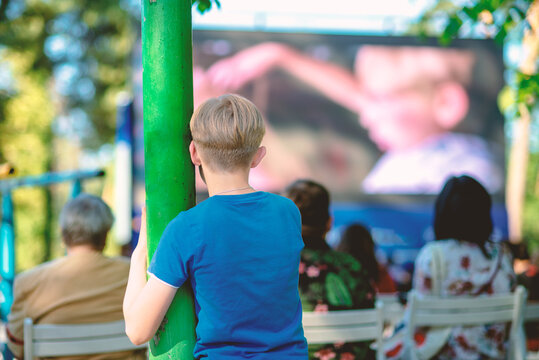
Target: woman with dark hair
357, 241
463, 261
328, 280
462, 212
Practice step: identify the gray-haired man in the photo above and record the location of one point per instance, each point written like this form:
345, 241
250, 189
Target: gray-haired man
83, 287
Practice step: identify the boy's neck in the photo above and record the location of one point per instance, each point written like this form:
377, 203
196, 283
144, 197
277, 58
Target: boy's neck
227, 183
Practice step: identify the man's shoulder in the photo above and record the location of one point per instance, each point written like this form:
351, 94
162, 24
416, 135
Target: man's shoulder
38, 273
120, 262
41, 269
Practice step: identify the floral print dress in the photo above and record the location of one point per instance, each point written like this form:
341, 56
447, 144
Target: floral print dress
468, 272
330, 281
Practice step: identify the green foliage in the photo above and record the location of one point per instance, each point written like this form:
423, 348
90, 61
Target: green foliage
337, 291
495, 18
66, 60
25, 140
530, 229
87, 44
205, 5
528, 88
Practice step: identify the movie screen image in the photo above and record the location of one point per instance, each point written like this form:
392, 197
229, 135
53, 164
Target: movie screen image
362, 115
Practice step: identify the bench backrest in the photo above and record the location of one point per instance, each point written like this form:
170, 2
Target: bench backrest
469, 311
345, 326
393, 308
531, 311
43, 340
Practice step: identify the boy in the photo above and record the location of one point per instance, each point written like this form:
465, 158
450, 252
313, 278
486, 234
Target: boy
239, 249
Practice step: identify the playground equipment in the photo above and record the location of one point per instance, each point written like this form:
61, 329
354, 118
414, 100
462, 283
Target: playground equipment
123, 170
169, 174
7, 230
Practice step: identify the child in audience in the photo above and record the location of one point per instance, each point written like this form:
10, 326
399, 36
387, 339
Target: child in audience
328, 280
357, 241
521, 257
239, 249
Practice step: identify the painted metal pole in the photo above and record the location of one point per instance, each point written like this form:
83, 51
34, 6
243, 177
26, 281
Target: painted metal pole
167, 83
47, 179
7, 249
76, 189
123, 174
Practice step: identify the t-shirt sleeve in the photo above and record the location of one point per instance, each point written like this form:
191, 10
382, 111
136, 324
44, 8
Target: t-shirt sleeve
172, 259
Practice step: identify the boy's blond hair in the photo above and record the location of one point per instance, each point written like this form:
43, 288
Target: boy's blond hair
227, 131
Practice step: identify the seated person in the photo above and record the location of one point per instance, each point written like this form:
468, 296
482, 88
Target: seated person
521, 257
471, 265
323, 271
82, 287
357, 241
530, 280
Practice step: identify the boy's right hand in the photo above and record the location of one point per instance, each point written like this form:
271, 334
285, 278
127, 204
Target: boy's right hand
142, 244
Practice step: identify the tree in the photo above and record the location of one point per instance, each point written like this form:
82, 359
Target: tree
25, 139
63, 64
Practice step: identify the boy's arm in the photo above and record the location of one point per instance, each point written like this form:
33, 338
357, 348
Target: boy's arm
335, 82
145, 302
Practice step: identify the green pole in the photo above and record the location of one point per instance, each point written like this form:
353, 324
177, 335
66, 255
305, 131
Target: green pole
170, 181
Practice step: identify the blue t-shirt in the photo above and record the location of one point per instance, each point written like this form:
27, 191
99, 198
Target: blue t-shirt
241, 254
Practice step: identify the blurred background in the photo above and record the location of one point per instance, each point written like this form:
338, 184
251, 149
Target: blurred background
70, 99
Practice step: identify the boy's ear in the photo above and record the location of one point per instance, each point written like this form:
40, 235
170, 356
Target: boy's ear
260, 153
451, 104
195, 158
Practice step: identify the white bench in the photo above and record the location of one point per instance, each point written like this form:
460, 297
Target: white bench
393, 310
43, 340
434, 311
345, 325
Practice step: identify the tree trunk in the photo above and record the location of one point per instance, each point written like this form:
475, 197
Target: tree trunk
516, 175
518, 160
